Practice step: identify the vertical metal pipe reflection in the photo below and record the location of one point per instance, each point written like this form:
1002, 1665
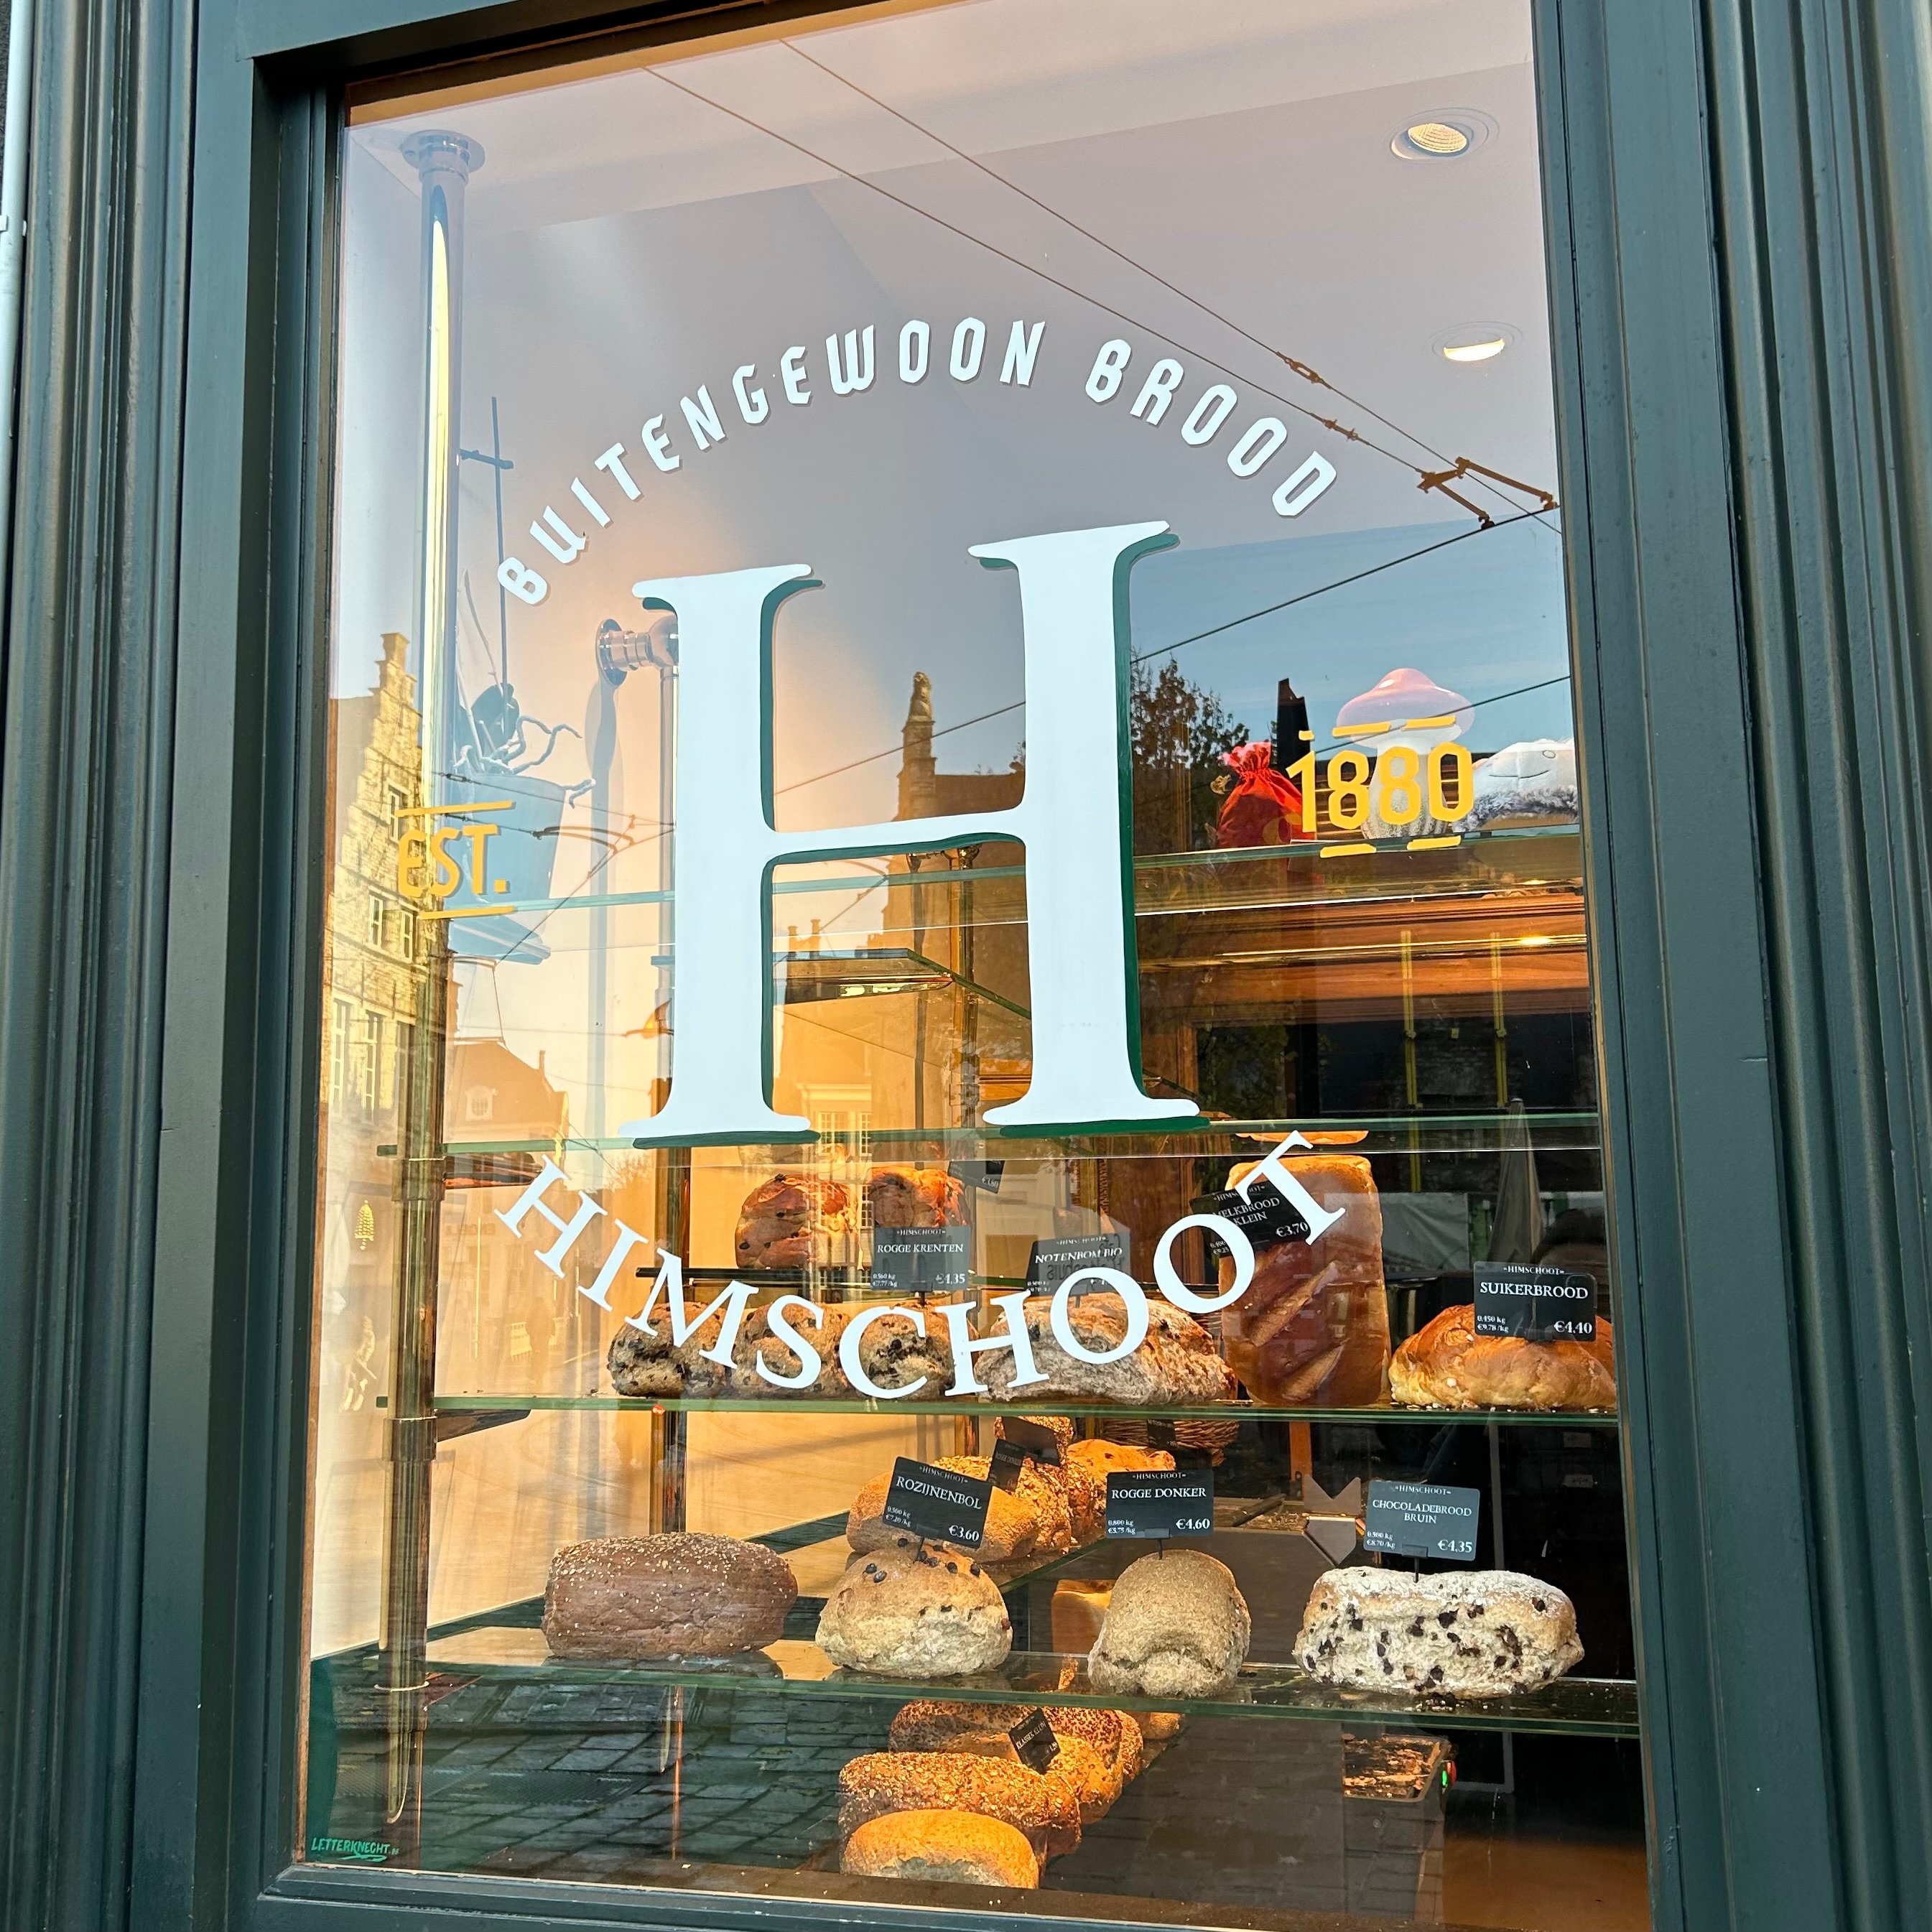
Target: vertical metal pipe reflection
444, 161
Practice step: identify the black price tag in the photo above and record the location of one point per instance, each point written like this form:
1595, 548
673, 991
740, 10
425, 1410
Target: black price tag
1422, 1519
1160, 1503
1034, 1743
921, 1260
1009, 1459
1267, 1217
938, 1503
1535, 1303
1035, 1438
985, 1175
1051, 1262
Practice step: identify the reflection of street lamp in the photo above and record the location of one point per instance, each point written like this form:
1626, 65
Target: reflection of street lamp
444, 161
620, 653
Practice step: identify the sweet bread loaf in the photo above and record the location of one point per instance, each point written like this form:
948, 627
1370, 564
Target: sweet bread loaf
1475, 1634
1103, 1458
1313, 1327
1447, 1365
643, 1362
1031, 1522
679, 1595
915, 1197
908, 1610
793, 1221
1177, 1626
1175, 1364
1043, 1808
942, 1847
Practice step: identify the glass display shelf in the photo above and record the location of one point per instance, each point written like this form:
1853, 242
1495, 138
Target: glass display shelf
1572, 1706
1225, 1411
1552, 1131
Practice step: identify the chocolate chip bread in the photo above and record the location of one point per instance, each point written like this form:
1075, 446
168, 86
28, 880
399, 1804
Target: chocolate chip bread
893, 1354
942, 1847
1480, 1633
1177, 1626
909, 1611
679, 1595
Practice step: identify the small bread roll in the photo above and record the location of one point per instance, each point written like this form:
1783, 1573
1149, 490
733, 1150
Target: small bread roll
908, 1611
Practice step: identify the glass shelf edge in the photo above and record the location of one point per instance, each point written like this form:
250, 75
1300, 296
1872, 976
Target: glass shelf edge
457, 1404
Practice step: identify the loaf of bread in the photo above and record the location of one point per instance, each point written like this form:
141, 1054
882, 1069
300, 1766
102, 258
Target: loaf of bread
915, 1197
929, 1724
1104, 1459
1447, 1365
1312, 1327
1177, 1626
1060, 1427
907, 1610
1176, 1362
1027, 1524
893, 1354
646, 1362
941, 1847
679, 1595
1042, 1807
793, 1221
1473, 1634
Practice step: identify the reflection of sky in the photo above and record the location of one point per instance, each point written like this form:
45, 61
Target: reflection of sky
1483, 616
608, 272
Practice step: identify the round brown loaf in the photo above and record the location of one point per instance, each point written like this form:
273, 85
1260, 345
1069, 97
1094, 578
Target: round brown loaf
791, 1221
881, 1782
941, 1847
914, 1611
679, 1595
1177, 1626
1060, 1427
915, 1197
1447, 1365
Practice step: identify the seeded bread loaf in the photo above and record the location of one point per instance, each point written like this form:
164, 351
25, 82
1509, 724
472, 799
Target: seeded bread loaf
1104, 1459
929, 1724
1447, 1365
679, 1595
1043, 1808
941, 1847
1312, 1325
1177, 1626
1474, 1633
908, 1611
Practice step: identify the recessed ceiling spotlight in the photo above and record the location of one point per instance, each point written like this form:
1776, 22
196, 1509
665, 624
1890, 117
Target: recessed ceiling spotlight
1474, 341
1445, 137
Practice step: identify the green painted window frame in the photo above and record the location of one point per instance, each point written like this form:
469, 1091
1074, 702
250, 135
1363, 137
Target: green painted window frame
1741, 246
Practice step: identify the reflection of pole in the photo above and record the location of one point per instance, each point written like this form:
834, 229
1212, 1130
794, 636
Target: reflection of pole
444, 160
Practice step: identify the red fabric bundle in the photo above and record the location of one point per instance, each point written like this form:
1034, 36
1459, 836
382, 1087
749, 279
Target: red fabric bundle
1264, 807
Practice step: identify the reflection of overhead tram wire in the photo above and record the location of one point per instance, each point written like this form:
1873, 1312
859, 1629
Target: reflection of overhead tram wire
1457, 467
1426, 479
1198, 637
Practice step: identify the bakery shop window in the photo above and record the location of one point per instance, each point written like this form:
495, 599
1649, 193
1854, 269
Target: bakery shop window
988, 1285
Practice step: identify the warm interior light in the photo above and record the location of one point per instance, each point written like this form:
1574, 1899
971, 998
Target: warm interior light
1436, 137
1475, 351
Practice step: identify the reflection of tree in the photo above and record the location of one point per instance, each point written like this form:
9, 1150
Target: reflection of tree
1179, 731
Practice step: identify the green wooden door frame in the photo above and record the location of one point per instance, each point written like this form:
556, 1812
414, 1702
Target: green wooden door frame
1740, 219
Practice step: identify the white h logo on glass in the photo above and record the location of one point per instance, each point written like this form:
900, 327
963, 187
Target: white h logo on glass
1072, 820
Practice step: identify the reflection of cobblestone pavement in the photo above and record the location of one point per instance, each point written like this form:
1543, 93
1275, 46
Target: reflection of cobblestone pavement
589, 1780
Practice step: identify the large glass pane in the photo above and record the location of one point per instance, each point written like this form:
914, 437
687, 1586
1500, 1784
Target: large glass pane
954, 823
